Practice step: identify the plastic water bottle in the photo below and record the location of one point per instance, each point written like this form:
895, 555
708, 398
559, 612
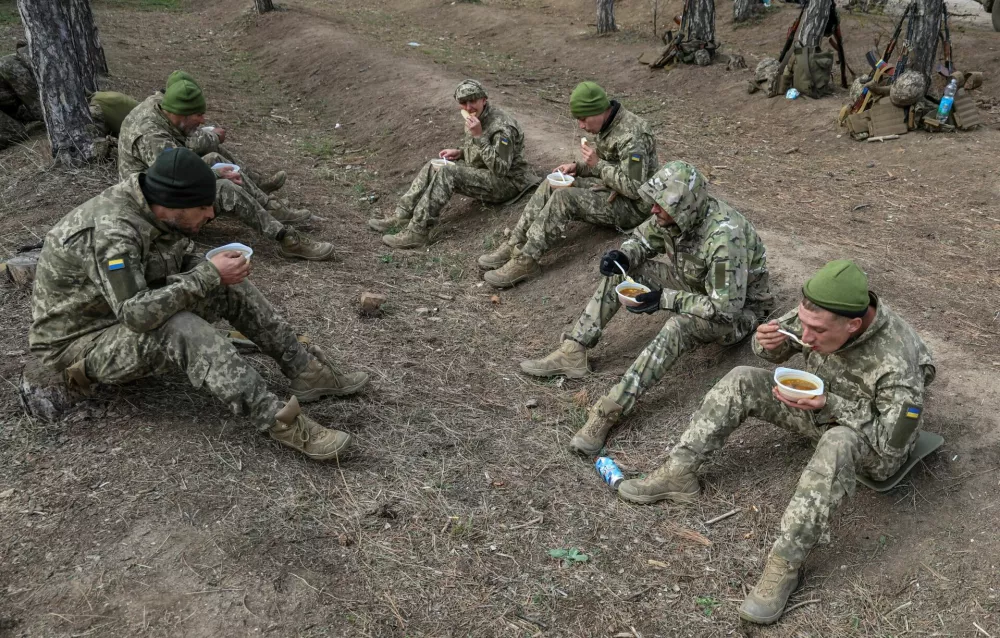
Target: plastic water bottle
767, 3
609, 471
791, 93
947, 101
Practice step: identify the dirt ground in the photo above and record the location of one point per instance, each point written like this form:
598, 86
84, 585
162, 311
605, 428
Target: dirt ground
153, 511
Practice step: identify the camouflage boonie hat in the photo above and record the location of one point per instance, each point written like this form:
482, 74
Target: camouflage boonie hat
469, 90
677, 187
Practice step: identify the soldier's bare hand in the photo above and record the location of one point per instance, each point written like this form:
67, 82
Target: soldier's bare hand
233, 267
221, 132
451, 154
565, 169
768, 336
231, 175
813, 403
590, 157
474, 126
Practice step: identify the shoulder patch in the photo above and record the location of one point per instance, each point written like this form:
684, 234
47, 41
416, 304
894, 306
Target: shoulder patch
636, 157
504, 141
116, 264
909, 419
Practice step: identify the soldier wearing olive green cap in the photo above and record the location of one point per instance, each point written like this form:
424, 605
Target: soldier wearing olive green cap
875, 369
488, 166
174, 119
619, 156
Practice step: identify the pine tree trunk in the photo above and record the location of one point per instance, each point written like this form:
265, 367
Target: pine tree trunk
743, 9
701, 23
923, 47
59, 73
606, 16
263, 6
87, 40
813, 24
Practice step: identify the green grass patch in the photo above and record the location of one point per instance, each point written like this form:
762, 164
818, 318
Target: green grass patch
8, 14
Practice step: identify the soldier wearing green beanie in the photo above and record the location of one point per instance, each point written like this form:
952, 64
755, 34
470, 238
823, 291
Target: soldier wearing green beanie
175, 119
119, 295
875, 369
617, 156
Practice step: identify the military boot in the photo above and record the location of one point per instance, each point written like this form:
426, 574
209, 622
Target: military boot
497, 258
674, 480
569, 360
273, 183
299, 432
286, 215
399, 218
319, 379
295, 245
767, 600
519, 268
409, 238
590, 438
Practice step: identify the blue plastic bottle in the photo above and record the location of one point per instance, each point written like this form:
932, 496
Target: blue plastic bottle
947, 101
609, 471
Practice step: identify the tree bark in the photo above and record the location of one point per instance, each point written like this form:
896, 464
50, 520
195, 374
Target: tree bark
744, 10
923, 47
701, 23
58, 71
263, 6
813, 24
88, 42
606, 16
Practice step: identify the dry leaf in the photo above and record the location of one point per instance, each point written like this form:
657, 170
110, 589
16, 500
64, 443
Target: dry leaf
495, 300
581, 398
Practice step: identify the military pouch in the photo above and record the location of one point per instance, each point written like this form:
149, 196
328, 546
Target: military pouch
813, 72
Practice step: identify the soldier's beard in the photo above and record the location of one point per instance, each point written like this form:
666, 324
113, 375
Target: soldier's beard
177, 228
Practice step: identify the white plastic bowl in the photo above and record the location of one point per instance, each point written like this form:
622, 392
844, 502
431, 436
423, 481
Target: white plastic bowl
625, 299
560, 181
246, 250
791, 393
438, 162
221, 165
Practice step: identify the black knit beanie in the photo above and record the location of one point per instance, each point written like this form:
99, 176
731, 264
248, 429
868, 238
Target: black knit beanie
179, 179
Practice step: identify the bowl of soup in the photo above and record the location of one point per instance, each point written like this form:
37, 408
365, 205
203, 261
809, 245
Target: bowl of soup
560, 180
628, 291
221, 166
243, 249
439, 162
798, 384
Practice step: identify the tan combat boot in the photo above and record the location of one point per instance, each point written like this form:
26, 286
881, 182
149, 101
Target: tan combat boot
590, 438
273, 183
399, 218
295, 245
408, 238
519, 268
569, 360
319, 380
299, 432
767, 600
497, 258
286, 215
674, 480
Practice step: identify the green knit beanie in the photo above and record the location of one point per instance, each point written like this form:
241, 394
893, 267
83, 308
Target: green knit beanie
840, 287
177, 76
179, 179
183, 97
588, 98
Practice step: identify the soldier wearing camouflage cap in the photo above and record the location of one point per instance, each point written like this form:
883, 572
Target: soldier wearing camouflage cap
119, 296
174, 119
875, 369
704, 264
619, 156
489, 166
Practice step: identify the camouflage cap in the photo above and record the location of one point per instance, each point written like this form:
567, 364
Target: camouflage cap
469, 90
679, 189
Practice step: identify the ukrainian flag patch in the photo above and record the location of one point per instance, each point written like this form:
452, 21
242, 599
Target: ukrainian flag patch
116, 264
636, 157
504, 141
912, 412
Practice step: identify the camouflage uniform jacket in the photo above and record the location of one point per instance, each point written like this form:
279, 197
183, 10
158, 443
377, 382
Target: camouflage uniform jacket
112, 261
627, 152
716, 252
500, 148
147, 131
874, 384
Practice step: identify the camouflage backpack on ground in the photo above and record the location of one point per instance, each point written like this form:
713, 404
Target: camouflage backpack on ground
812, 73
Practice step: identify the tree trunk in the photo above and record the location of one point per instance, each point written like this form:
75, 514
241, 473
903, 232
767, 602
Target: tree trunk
606, 16
88, 42
743, 9
263, 6
813, 24
20, 269
58, 71
923, 47
701, 23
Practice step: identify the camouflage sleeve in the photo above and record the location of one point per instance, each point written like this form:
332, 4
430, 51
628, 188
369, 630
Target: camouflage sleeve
786, 350
890, 420
149, 146
202, 142
637, 164
118, 268
725, 284
639, 247
497, 151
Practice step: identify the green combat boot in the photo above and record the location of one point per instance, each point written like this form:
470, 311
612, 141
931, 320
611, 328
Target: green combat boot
497, 258
273, 183
319, 379
407, 239
519, 268
674, 480
590, 438
295, 245
399, 218
282, 213
767, 600
569, 360
299, 432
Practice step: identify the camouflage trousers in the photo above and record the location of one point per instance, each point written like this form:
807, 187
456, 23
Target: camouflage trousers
841, 453
549, 211
254, 175
432, 188
246, 203
189, 341
680, 334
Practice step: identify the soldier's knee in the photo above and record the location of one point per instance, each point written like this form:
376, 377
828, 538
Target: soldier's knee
214, 158
739, 374
838, 438
185, 323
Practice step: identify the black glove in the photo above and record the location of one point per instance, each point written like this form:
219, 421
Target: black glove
649, 302
608, 267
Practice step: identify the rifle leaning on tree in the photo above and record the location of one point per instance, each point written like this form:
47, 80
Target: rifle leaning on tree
948, 67
881, 65
837, 42
904, 56
673, 48
786, 52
